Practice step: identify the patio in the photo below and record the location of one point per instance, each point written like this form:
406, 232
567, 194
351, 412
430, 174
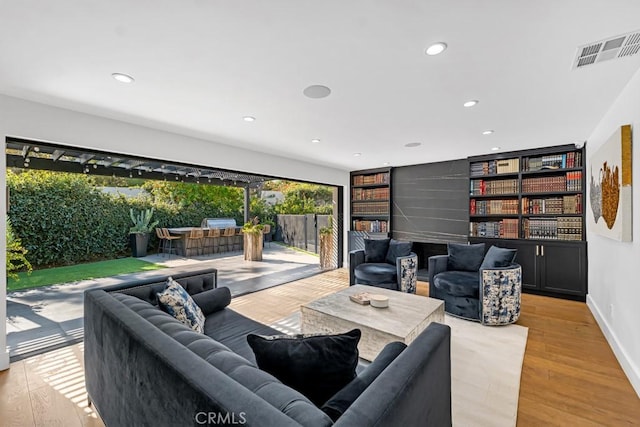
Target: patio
50, 317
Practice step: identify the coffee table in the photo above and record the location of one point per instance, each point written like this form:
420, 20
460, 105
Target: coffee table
404, 319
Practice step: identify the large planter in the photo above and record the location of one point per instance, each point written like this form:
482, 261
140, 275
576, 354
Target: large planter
139, 242
253, 246
326, 252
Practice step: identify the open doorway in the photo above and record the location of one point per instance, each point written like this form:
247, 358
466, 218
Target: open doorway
54, 318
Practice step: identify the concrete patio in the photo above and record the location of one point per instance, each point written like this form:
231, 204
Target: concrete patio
49, 317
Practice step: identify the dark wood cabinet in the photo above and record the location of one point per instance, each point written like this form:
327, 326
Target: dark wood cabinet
533, 201
549, 268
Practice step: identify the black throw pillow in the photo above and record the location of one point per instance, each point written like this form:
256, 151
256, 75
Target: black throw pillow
397, 249
465, 257
375, 250
498, 257
340, 402
316, 366
212, 300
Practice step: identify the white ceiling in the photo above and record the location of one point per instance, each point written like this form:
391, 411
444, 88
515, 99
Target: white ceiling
201, 65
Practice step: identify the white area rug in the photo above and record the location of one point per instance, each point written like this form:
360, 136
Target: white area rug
486, 363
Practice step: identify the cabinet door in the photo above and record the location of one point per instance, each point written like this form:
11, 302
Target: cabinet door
527, 259
564, 267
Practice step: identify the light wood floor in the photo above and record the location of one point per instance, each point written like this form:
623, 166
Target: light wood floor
570, 376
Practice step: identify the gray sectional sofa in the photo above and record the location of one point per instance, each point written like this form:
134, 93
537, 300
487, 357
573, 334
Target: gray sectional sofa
145, 368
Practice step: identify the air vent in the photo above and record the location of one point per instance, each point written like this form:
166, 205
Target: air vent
604, 50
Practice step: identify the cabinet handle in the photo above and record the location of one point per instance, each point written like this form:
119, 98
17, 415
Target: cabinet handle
537, 250
542, 249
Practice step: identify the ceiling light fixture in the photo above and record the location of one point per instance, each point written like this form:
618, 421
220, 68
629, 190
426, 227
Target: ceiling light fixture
487, 132
495, 148
316, 91
471, 103
315, 140
123, 78
357, 154
386, 163
249, 119
436, 48
413, 144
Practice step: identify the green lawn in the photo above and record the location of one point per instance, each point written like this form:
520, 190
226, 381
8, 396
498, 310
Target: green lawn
74, 273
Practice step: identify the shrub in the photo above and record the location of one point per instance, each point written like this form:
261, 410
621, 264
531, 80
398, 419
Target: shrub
62, 219
16, 260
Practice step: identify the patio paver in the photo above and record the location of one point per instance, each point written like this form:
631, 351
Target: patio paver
41, 319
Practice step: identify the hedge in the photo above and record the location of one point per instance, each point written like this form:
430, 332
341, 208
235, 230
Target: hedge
62, 219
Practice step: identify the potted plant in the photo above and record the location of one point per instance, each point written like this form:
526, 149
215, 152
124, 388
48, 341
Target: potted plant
326, 246
253, 240
139, 233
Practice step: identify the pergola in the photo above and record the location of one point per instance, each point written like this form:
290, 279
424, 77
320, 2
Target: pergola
29, 154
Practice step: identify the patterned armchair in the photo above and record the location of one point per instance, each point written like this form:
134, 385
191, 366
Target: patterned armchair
474, 286
385, 263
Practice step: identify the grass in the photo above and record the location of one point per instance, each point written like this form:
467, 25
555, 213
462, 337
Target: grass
73, 273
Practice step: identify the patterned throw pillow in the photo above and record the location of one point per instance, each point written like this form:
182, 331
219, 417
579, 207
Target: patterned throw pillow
177, 302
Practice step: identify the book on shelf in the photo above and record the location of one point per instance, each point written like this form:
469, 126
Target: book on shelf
570, 181
377, 226
507, 228
568, 160
494, 167
494, 207
559, 228
371, 179
381, 193
481, 187
370, 208
362, 298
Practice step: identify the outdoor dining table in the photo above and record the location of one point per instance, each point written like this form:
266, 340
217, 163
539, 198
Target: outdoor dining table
184, 232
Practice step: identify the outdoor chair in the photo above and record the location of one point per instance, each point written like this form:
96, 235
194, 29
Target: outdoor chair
169, 238
194, 239
212, 240
161, 240
226, 239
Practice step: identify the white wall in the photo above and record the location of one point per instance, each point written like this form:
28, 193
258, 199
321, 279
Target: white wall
20, 118
614, 267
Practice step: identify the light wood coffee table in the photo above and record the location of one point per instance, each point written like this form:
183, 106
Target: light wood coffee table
404, 319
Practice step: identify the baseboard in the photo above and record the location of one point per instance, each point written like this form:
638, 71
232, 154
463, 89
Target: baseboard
630, 369
4, 360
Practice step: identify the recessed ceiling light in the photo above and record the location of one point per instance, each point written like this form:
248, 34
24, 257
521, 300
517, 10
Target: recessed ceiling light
249, 119
413, 144
495, 148
386, 163
435, 48
487, 132
316, 91
123, 78
357, 154
315, 140
471, 103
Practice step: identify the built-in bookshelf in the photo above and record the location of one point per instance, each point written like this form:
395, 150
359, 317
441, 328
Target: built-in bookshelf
505, 193
371, 200
533, 201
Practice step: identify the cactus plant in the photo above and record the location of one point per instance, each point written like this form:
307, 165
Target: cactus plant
142, 221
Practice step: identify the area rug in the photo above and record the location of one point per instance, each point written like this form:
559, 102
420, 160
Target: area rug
486, 363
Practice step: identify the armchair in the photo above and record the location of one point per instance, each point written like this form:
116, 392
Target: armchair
385, 263
475, 286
